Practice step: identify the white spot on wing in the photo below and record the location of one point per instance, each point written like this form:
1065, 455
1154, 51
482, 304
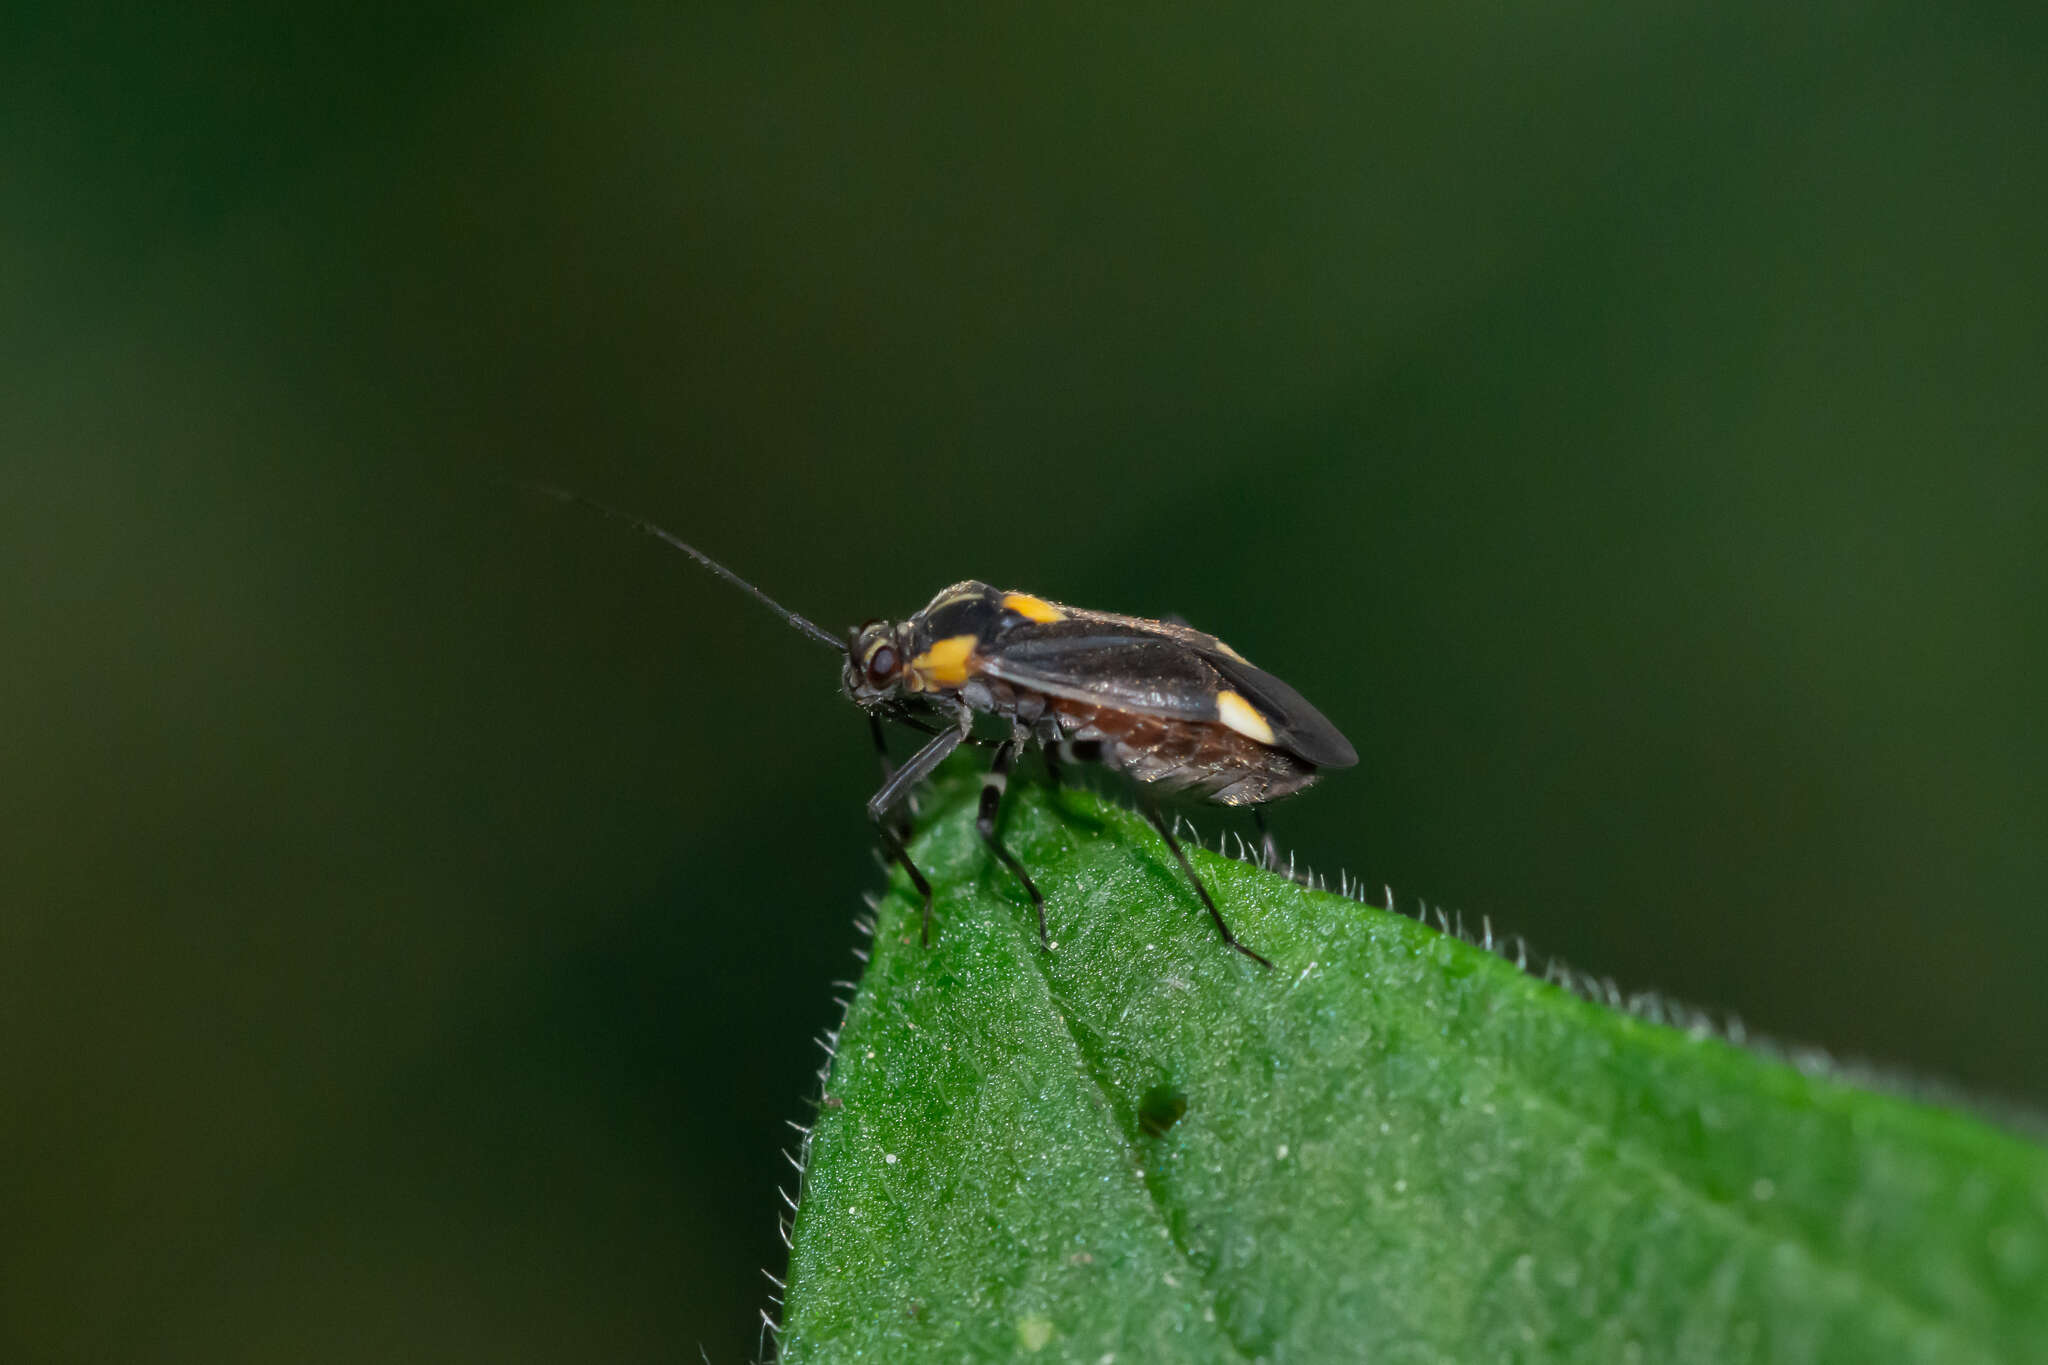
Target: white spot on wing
1241, 716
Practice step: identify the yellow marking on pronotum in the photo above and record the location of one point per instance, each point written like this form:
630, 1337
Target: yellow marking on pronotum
1033, 608
1240, 716
945, 663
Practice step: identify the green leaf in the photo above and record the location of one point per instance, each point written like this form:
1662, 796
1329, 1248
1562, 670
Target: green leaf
1394, 1146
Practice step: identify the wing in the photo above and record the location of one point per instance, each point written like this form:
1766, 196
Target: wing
1158, 669
1297, 727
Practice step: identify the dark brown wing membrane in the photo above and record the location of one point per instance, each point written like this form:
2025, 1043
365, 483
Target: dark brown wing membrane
1091, 661
1160, 670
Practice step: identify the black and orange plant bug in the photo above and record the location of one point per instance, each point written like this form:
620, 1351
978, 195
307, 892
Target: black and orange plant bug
1180, 712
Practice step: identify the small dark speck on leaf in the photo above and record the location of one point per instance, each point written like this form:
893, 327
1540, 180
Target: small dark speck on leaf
1161, 1108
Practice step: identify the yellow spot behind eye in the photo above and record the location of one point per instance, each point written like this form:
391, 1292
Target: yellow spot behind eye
945, 663
1033, 608
1242, 717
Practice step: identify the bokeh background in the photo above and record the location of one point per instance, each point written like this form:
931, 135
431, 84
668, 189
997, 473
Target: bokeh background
1628, 422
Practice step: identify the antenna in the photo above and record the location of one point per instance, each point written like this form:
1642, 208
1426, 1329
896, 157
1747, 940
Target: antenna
803, 624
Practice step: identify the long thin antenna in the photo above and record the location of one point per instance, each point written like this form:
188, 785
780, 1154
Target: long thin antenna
808, 627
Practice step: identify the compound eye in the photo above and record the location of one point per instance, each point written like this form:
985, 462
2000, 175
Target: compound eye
882, 665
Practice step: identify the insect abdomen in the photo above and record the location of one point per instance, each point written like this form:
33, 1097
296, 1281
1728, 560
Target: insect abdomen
1194, 758
1206, 760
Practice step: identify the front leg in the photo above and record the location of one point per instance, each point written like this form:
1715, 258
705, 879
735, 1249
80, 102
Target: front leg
901, 828
921, 765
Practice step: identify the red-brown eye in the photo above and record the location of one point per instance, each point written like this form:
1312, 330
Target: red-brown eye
882, 666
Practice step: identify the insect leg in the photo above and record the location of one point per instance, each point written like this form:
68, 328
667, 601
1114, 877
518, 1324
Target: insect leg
881, 745
1080, 750
899, 784
902, 828
992, 788
919, 767
901, 856
1054, 771
1166, 833
923, 726
1060, 753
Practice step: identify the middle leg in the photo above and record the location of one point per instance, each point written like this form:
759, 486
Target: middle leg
896, 789
992, 788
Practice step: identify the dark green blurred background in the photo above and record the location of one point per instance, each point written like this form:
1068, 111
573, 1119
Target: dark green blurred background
1628, 422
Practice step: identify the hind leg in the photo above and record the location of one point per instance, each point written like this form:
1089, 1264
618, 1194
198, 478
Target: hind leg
1166, 833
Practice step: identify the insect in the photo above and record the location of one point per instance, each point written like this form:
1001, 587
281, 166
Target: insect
1180, 712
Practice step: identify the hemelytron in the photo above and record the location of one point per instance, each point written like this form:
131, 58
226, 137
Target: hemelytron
1180, 712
